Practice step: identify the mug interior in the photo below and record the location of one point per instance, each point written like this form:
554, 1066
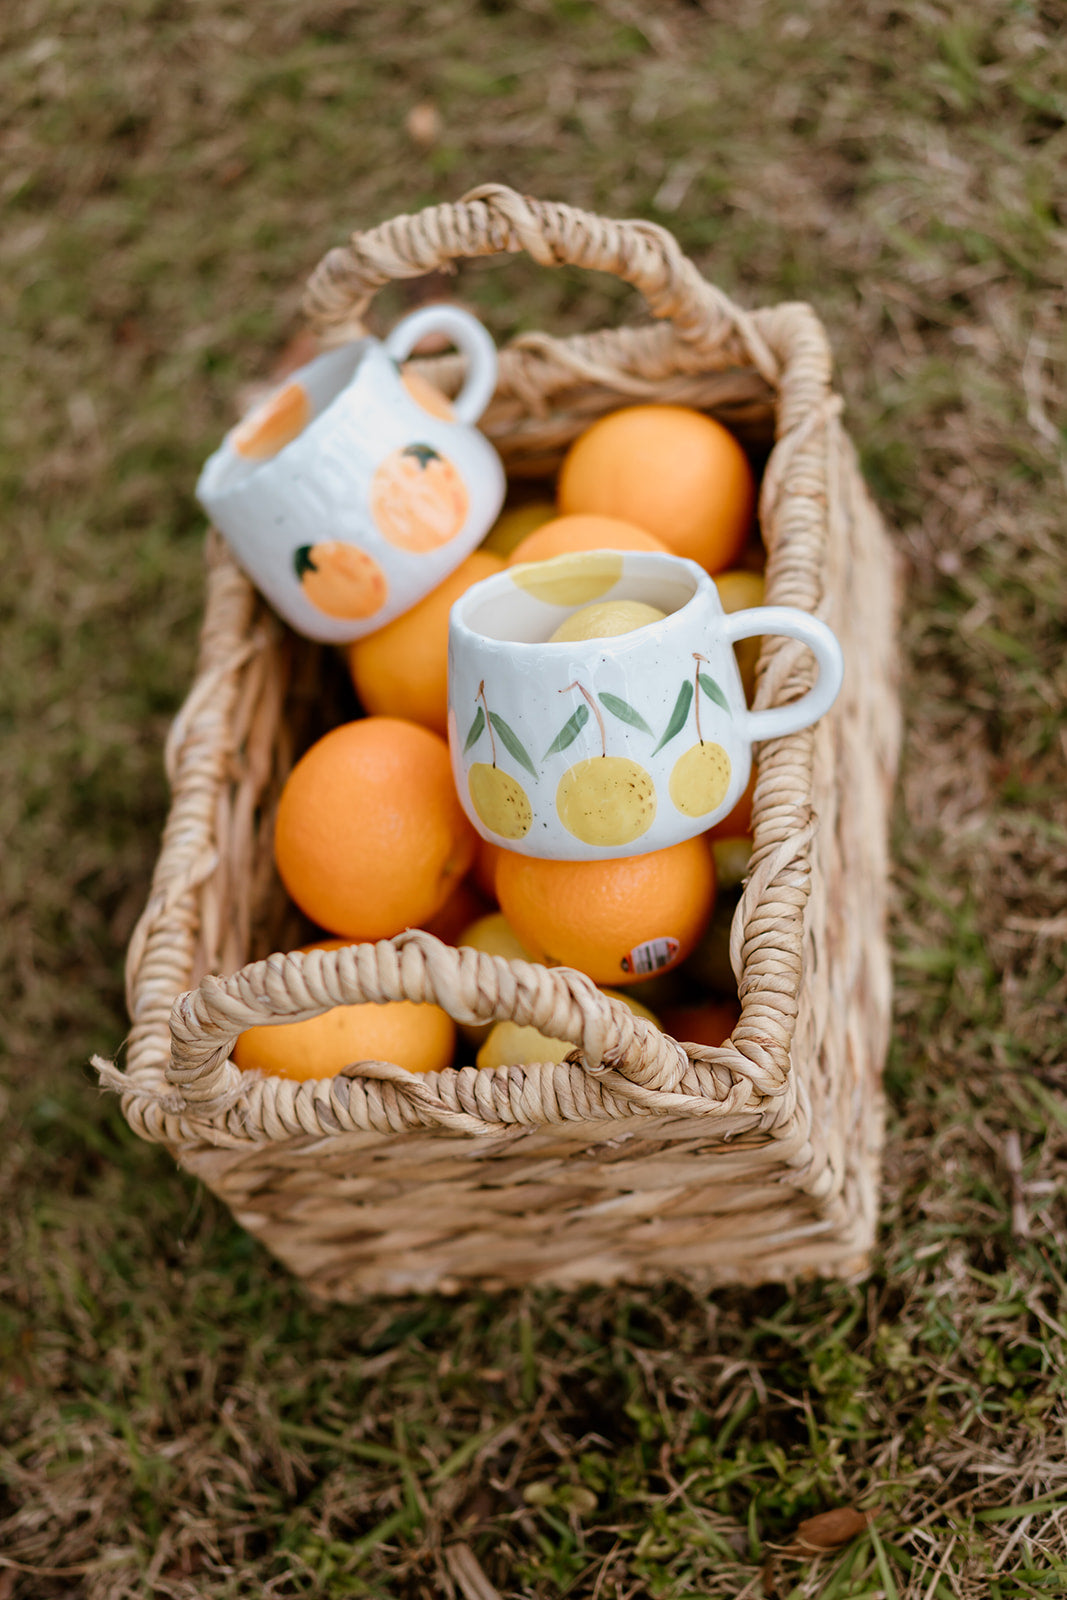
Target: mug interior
499, 609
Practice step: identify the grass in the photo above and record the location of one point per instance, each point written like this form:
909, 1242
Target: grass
177, 1419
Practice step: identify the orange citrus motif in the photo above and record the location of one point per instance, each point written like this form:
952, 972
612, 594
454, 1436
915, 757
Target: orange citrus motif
341, 579
274, 424
428, 397
418, 499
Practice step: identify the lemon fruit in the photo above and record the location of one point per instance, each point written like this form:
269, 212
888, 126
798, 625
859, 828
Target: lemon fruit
741, 591
493, 935
606, 800
510, 1045
606, 621
500, 801
514, 525
700, 779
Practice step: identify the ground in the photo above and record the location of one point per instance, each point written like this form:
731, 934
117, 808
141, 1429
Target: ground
177, 1419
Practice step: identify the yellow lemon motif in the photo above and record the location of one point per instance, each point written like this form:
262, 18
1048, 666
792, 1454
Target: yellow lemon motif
700, 779
606, 800
606, 620
570, 580
500, 801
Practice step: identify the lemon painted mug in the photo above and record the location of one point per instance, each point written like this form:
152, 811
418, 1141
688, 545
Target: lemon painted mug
355, 489
589, 748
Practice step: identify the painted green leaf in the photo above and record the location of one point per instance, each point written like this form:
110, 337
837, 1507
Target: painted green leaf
512, 743
678, 715
476, 730
569, 731
713, 692
624, 711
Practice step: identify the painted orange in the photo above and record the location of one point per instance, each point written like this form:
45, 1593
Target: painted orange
341, 580
271, 426
418, 499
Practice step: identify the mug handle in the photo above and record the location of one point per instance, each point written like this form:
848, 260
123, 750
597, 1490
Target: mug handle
468, 336
795, 624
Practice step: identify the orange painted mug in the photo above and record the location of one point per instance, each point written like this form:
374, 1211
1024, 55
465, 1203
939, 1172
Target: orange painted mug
355, 488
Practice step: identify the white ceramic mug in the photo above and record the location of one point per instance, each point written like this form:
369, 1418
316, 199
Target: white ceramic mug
355, 489
610, 746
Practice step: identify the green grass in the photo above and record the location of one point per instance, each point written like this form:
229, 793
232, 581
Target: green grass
175, 1418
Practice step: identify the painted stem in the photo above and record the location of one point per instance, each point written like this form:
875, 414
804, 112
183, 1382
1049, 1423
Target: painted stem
698, 658
488, 718
596, 712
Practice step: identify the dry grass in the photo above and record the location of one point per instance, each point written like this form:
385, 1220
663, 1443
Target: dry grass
177, 1420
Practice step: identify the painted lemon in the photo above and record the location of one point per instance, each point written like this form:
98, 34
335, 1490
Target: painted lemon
274, 424
700, 779
606, 800
570, 580
606, 620
418, 499
500, 801
341, 579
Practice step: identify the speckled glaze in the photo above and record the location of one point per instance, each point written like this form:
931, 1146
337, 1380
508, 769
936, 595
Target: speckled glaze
618, 746
324, 487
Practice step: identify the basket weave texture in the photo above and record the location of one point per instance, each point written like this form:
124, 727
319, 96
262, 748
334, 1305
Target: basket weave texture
638, 1157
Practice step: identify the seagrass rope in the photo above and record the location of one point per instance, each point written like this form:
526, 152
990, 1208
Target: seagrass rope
626, 1071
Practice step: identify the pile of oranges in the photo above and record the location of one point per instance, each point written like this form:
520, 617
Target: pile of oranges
370, 837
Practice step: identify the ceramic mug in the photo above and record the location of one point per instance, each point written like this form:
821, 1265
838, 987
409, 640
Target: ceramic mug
610, 746
355, 489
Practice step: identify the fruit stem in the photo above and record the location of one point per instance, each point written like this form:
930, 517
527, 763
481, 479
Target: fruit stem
698, 658
488, 719
596, 713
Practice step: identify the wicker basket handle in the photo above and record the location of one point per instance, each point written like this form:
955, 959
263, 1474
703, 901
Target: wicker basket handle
496, 220
470, 986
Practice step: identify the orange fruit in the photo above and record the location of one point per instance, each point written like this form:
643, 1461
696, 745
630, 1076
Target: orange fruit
402, 669
421, 1038
272, 425
486, 857
618, 921
709, 1023
418, 499
341, 579
674, 471
370, 837
463, 906
564, 535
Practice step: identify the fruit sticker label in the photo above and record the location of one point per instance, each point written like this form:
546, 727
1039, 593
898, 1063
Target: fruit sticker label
651, 956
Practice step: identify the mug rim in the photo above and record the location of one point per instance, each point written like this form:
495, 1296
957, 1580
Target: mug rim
639, 562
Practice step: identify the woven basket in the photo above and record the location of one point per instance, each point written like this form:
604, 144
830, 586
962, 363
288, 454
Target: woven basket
638, 1157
